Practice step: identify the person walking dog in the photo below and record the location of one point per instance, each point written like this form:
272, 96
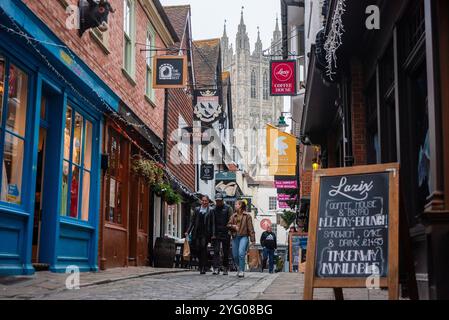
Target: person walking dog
220, 237
242, 230
201, 228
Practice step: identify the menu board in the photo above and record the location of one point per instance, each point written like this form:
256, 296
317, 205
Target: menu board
353, 229
352, 235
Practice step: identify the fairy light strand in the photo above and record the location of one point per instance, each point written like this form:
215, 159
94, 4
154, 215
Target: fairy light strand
111, 115
334, 39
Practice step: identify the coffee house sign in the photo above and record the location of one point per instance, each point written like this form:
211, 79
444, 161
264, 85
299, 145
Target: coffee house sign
283, 78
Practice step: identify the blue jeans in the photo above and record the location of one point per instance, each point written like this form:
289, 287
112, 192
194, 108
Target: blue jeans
269, 253
239, 250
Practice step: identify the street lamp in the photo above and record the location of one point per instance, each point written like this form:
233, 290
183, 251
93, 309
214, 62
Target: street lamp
281, 123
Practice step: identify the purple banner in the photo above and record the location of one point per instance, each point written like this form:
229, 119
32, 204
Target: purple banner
283, 205
286, 197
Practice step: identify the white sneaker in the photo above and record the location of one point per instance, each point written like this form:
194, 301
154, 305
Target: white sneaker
241, 274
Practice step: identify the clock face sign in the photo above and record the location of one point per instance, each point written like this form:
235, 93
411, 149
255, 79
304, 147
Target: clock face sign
265, 223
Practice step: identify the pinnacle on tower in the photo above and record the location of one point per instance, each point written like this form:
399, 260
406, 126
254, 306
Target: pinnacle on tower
224, 30
258, 47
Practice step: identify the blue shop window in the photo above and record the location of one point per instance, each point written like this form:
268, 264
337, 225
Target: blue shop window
13, 110
76, 177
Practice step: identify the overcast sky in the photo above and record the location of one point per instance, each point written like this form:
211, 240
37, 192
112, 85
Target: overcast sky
208, 18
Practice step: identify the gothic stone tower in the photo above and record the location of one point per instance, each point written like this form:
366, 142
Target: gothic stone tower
253, 107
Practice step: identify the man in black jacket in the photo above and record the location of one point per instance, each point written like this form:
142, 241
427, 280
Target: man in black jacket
269, 244
201, 228
222, 213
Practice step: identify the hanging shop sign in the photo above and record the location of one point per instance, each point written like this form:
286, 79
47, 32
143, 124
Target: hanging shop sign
207, 107
353, 231
171, 72
207, 172
283, 77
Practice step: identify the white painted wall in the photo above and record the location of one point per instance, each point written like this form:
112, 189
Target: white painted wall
312, 23
260, 199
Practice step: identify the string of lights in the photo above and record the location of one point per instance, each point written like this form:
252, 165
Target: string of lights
111, 114
334, 39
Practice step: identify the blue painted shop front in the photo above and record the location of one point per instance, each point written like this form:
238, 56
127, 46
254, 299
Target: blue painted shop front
51, 115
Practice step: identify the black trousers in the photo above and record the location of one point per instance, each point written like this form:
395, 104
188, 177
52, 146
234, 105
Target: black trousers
201, 251
225, 244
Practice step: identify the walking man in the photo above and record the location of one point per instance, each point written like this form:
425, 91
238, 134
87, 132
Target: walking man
201, 227
220, 237
269, 244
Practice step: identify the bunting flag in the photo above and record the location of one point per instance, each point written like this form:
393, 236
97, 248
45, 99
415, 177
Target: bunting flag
281, 152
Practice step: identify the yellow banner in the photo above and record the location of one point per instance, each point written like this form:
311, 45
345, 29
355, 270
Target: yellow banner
281, 152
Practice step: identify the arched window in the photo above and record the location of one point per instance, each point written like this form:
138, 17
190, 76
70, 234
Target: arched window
265, 86
253, 85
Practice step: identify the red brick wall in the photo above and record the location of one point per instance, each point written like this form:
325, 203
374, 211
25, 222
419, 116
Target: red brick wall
109, 66
358, 112
179, 103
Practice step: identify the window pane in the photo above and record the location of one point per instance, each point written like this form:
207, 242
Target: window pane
74, 192
64, 188
115, 152
67, 133
127, 17
77, 138
127, 54
119, 204
12, 169
2, 83
43, 107
111, 204
88, 146
17, 100
149, 84
86, 196
149, 46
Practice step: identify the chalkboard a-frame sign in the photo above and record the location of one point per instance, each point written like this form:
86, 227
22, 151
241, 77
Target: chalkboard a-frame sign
353, 229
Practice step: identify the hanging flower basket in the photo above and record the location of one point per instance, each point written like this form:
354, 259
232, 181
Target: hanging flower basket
171, 197
149, 170
167, 193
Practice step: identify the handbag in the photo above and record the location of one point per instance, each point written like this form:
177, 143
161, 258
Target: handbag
186, 250
253, 258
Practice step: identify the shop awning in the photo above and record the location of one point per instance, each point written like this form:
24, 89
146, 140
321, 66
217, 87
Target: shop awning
319, 105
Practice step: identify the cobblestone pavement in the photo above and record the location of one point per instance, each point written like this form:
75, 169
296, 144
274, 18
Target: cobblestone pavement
290, 286
44, 283
153, 284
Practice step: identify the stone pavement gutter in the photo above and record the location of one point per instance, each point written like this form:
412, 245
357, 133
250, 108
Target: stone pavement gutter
43, 283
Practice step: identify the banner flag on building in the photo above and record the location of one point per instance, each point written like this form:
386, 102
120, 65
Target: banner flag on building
281, 152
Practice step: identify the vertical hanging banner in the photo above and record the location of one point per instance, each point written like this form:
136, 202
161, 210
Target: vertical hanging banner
281, 152
283, 77
170, 72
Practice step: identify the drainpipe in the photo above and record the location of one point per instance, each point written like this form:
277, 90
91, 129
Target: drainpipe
165, 155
